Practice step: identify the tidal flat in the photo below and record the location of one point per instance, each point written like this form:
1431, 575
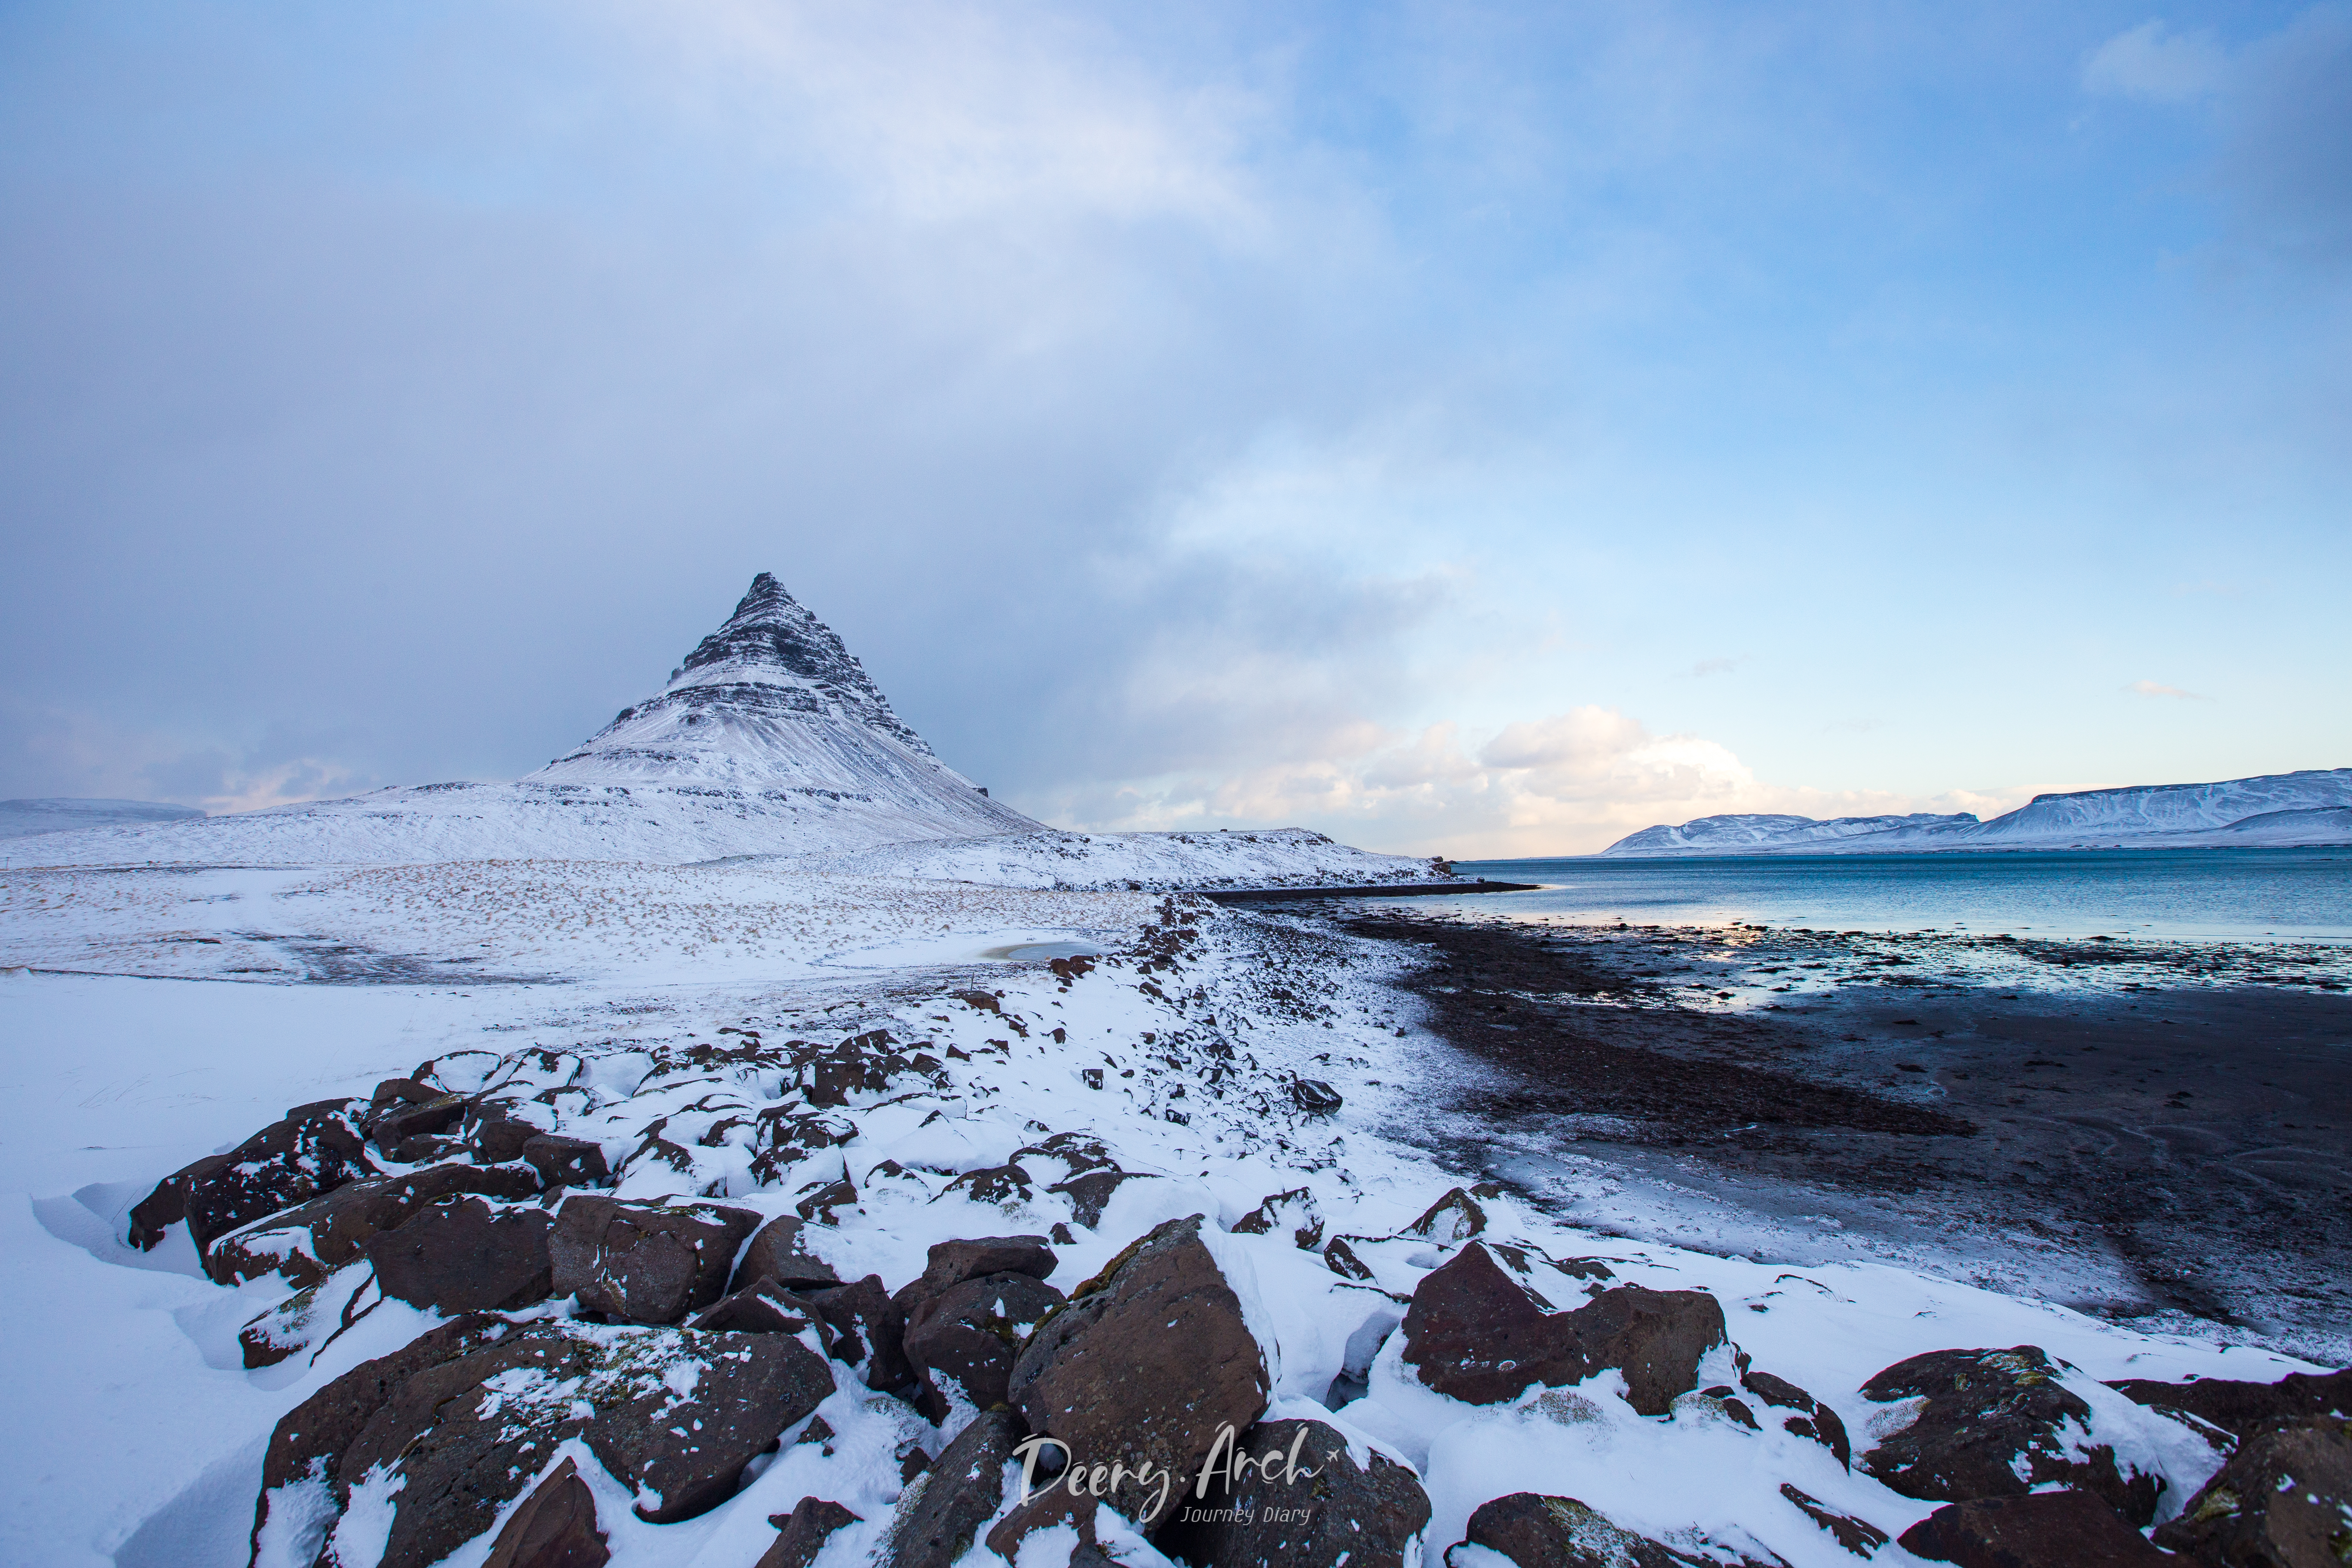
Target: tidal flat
2151, 1131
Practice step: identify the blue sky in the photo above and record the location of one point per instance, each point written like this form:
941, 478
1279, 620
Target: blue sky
1486, 429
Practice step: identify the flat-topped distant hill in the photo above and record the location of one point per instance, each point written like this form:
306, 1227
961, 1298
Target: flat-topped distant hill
2275, 810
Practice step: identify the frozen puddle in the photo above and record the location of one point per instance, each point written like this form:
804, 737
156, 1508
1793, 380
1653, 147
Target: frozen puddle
967, 947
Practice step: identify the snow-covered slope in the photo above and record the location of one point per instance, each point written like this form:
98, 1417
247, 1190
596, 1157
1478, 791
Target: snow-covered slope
23, 818
2310, 807
1741, 833
770, 739
1276, 858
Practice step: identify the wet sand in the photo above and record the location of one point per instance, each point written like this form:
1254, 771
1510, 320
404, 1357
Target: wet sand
2159, 1132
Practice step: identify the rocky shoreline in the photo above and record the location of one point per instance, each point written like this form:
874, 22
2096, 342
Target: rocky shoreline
2169, 1116
1108, 1262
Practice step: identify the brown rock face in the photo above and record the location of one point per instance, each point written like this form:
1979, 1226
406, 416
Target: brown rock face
1986, 1414
943, 1509
1148, 1364
765, 1307
1477, 1333
645, 1263
1858, 1536
806, 1530
1091, 1192
465, 1254
691, 1452
1812, 1419
554, 1528
2244, 1408
1538, 1532
952, 1263
777, 1253
2283, 1501
311, 1240
564, 1162
461, 1436
1293, 1212
1456, 1216
1048, 1506
868, 1330
2045, 1530
968, 1337
314, 1149
1298, 1501
309, 1437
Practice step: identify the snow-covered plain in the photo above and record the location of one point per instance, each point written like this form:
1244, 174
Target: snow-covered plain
765, 848
139, 1435
2282, 810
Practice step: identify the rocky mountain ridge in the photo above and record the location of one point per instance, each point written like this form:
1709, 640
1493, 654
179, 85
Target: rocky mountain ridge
2310, 807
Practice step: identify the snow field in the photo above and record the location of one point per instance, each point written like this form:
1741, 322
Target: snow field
147, 1443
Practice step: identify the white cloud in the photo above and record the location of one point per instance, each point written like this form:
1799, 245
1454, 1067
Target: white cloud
2152, 63
1567, 784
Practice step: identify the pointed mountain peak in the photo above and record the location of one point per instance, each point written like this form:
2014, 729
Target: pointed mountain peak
771, 630
773, 696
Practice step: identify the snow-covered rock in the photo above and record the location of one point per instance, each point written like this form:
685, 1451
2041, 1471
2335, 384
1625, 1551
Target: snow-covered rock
2310, 807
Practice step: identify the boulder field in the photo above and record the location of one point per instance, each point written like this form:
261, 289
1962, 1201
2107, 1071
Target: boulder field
636, 1294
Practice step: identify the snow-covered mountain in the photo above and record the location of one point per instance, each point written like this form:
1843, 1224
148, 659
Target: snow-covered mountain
770, 739
1741, 833
23, 818
2310, 807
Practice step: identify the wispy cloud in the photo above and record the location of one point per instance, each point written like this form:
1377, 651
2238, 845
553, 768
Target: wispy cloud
1712, 667
2158, 689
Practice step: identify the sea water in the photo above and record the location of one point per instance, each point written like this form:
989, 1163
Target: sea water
2217, 894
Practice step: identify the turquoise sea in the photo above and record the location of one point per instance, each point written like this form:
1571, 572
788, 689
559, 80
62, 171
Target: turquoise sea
2228, 894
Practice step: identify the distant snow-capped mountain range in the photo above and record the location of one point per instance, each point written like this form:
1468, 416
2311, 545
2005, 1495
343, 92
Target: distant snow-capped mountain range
2276, 810
770, 739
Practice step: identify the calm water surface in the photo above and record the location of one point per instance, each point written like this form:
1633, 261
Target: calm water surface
2290, 894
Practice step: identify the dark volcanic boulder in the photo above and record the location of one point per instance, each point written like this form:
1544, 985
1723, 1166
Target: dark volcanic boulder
314, 1149
554, 1528
456, 1440
777, 1253
966, 1338
2283, 1501
806, 1530
465, 1254
392, 1122
2244, 1408
303, 1447
1994, 1424
1858, 1536
946, 1505
643, 1262
564, 1162
1090, 1193
1293, 1213
1812, 1419
766, 1307
952, 1263
1538, 1532
2044, 1530
1148, 1364
868, 1331
688, 1453
1298, 1501
1456, 1216
311, 1240
494, 1136
1050, 1506
1477, 1333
